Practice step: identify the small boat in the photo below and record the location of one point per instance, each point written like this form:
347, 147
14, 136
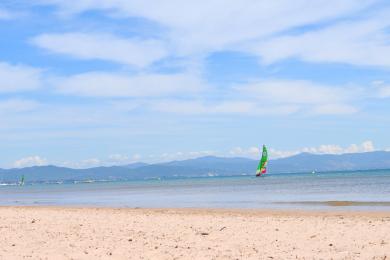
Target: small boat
261, 168
21, 182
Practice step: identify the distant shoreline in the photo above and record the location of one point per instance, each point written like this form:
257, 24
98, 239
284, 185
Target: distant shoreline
208, 166
234, 211
169, 178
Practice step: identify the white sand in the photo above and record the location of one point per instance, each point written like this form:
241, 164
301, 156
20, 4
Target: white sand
89, 233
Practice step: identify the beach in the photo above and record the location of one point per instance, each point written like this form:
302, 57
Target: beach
125, 233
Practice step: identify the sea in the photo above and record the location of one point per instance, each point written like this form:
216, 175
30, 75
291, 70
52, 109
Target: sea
353, 190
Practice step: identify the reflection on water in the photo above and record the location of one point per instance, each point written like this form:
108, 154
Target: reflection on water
358, 190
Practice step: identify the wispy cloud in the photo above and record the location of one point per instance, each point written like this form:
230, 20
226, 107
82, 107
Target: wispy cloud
334, 109
294, 91
384, 91
143, 72
215, 25
17, 105
100, 84
363, 42
89, 46
230, 107
15, 78
381, 88
321, 99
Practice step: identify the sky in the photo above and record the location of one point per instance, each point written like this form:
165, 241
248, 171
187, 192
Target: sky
96, 82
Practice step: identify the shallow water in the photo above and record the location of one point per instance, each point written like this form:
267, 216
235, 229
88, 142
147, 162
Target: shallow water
362, 190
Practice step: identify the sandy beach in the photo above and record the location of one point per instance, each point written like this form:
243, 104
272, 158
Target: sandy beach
104, 233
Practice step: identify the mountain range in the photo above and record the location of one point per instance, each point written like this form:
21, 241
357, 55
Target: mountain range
203, 166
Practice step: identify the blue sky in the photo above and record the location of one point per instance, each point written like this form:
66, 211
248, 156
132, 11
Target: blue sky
90, 83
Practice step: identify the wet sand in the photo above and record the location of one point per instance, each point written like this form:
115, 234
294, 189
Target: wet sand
341, 203
106, 233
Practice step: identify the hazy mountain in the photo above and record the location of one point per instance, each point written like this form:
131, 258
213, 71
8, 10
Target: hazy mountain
135, 165
217, 164
203, 166
306, 162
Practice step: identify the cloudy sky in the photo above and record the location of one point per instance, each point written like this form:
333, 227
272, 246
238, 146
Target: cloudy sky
98, 82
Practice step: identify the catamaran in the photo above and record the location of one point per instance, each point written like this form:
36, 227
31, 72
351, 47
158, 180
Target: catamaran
261, 168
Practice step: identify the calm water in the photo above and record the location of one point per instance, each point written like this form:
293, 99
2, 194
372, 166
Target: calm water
273, 191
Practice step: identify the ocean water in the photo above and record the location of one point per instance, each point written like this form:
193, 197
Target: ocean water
359, 190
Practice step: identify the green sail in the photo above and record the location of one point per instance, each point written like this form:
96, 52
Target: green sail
261, 168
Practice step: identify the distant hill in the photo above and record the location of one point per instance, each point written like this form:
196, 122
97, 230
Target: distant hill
306, 162
212, 164
135, 165
203, 166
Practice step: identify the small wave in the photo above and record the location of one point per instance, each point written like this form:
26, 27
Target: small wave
8, 184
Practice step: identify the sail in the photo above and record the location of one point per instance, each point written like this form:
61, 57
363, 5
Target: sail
21, 183
261, 168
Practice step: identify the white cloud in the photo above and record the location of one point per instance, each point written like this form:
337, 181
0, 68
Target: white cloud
87, 163
249, 152
121, 159
384, 92
217, 24
16, 78
271, 97
334, 109
355, 42
258, 27
366, 146
324, 149
314, 98
17, 105
102, 84
294, 91
267, 97
107, 47
274, 153
165, 157
254, 152
118, 158
92, 162
380, 89
111, 160
196, 107
30, 161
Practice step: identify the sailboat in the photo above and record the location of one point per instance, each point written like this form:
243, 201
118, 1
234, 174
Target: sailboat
21, 182
261, 168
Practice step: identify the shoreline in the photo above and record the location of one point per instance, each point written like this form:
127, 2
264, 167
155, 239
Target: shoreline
318, 207
335, 210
